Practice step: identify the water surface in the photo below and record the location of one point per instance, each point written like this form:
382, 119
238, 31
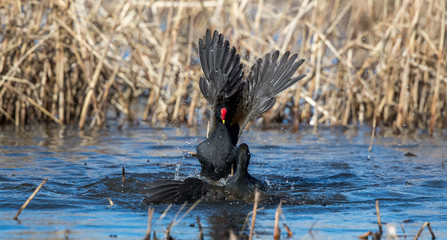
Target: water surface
330, 171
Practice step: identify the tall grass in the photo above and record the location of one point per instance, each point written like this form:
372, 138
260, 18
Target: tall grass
374, 62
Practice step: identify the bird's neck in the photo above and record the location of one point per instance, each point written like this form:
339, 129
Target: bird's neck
241, 173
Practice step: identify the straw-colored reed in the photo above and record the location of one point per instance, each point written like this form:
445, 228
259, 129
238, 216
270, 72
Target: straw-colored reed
75, 61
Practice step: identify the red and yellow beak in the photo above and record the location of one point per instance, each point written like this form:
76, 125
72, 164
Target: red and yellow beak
223, 112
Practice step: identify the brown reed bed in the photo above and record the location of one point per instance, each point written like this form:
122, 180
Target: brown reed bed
75, 62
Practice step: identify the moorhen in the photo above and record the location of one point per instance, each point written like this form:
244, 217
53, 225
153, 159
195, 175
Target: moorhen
234, 101
217, 155
240, 186
224, 88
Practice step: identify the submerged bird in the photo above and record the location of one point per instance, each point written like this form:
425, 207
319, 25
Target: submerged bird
235, 101
240, 186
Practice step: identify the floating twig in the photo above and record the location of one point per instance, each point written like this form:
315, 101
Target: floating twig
192, 154
366, 235
30, 198
110, 202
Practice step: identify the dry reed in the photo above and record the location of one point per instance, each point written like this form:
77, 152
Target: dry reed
16, 217
75, 62
379, 221
276, 230
425, 225
199, 225
150, 214
253, 219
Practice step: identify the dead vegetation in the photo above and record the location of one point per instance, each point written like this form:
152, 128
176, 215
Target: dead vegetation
75, 62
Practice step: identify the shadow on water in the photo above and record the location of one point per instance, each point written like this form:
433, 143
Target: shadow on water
330, 172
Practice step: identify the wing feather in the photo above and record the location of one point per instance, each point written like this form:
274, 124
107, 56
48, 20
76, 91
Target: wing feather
268, 77
222, 70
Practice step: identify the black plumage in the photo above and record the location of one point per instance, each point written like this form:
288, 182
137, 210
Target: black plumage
234, 101
240, 186
217, 155
224, 87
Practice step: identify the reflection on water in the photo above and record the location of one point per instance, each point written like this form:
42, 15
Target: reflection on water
330, 172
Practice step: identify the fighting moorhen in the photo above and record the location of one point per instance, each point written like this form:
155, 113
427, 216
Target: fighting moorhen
240, 186
217, 155
235, 101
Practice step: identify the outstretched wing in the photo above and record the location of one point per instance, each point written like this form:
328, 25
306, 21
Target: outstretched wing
174, 191
268, 77
222, 69
163, 191
221, 66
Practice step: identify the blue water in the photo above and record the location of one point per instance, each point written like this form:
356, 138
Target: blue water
330, 171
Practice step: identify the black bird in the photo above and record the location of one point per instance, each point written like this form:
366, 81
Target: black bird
217, 155
235, 101
243, 99
240, 186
